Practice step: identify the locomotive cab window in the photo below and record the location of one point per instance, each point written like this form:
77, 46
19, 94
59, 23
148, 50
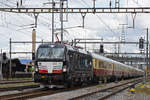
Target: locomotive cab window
50, 53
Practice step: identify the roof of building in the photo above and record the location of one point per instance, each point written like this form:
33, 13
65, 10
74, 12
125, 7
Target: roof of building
24, 61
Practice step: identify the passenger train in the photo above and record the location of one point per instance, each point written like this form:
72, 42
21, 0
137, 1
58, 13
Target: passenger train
63, 65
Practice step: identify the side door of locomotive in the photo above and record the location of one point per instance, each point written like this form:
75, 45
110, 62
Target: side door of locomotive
69, 60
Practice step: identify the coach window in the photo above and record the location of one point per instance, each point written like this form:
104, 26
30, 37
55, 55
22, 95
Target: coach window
117, 67
96, 63
120, 67
104, 65
110, 65
99, 64
107, 65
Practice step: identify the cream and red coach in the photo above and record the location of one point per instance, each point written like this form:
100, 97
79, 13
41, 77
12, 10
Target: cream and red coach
108, 69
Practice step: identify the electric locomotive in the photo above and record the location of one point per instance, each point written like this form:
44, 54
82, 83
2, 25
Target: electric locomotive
61, 65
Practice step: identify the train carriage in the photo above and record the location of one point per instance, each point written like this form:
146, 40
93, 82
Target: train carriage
108, 69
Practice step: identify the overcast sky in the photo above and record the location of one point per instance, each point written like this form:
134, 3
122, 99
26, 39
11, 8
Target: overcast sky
106, 26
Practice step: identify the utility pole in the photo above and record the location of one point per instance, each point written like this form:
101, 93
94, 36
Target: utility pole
53, 6
61, 18
1, 74
117, 3
118, 50
119, 46
133, 16
83, 18
94, 1
10, 59
53, 16
33, 43
147, 53
34, 36
123, 32
36, 18
94, 4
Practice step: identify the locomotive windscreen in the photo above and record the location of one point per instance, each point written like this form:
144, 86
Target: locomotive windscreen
50, 53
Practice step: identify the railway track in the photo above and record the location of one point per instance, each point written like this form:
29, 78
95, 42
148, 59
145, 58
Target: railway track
20, 96
31, 94
42, 92
17, 85
18, 88
36, 93
107, 92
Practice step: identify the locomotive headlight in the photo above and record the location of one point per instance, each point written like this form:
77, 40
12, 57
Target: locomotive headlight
36, 69
64, 69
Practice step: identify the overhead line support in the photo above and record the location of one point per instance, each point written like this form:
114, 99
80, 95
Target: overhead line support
77, 10
83, 18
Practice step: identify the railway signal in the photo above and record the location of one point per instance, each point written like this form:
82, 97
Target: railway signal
141, 43
101, 48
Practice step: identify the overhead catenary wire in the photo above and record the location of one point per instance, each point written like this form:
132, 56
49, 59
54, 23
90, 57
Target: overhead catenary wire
108, 27
3, 36
21, 16
136, 2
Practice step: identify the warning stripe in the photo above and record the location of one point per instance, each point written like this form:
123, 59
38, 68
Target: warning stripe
43, 71
57, 71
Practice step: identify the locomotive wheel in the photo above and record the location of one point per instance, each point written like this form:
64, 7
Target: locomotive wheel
68, 84
95, 79
36, 77
113, 78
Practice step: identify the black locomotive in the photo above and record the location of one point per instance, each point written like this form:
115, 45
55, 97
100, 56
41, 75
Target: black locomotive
60, 64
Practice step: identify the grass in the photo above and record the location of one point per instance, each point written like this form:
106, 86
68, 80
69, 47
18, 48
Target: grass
100, 85
147, 83
15, 79
16, 85
145, 89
